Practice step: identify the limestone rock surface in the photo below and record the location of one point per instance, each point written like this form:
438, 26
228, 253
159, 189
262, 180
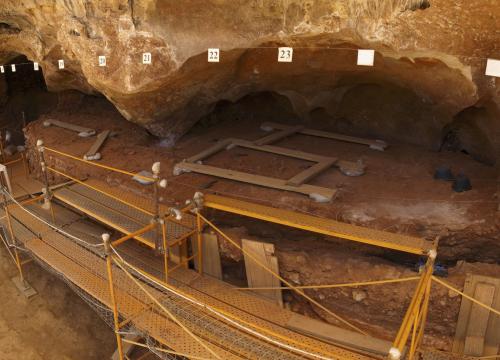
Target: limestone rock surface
435, 49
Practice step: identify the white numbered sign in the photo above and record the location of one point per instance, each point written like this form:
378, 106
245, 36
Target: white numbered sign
61, 64
102, 60
35, 66
13, 67
285, 54
366, 57
493, 67
213, 55
2, 70
146, 58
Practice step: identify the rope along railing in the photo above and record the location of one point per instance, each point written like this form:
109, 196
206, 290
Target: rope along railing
298, 291
252, 329
227, 318
102, 166
332, 286
413, 323
110, 259
99, 190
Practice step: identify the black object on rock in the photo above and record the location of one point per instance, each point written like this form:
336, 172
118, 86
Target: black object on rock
461, 183
444, 173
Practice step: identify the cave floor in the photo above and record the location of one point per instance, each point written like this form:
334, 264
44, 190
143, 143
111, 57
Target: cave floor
397, 192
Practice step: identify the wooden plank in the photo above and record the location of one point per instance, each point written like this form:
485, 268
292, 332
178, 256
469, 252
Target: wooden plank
258, 276
281, 151
492, 335
94, 149
374, 144
285, 132
325, 194
210, 151
478, 320
211, 257
313, 171
338, 336
79, 129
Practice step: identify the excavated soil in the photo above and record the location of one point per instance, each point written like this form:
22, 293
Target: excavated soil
56, 324
397, 194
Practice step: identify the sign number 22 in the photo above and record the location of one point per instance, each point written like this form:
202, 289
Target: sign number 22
213, 55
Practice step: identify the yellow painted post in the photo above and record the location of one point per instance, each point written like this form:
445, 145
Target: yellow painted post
425, 309
11, 232
165, 248
413, 344
107, 251
199, 239
412, 312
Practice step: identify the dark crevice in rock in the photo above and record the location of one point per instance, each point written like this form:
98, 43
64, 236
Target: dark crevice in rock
9, 29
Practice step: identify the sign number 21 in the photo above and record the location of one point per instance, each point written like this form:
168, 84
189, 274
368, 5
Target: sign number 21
285, 54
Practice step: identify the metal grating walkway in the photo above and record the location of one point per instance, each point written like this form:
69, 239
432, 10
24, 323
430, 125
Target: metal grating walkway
119, 215
87, 271
409, 244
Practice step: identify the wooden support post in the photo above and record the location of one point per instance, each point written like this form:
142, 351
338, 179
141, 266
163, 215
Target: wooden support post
107, 251
199, 226
4, 159
25, 163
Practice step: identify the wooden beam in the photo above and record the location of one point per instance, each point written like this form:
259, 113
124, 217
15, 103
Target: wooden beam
285, 132
325, 194
93, 153
281, 151
467, 318
338, 336
313, 171
373, 144
210, 151
478, 320
256, 275
211, 257
84, 131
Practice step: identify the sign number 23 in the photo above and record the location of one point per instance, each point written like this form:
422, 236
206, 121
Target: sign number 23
285, 54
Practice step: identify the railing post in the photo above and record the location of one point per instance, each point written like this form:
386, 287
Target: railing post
165, 247
199, 234
13, 239
43, 166
412, 313
156, 217
107, 252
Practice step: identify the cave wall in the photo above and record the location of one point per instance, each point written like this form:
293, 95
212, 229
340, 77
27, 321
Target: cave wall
436, 49
3, 90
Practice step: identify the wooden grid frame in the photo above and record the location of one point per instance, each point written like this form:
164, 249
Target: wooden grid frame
298, 182
295, 184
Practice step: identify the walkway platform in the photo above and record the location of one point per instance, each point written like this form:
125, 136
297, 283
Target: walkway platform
121, 216
86, 270
409, 244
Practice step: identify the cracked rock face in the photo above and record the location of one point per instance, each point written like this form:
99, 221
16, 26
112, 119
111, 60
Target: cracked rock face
435, 49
